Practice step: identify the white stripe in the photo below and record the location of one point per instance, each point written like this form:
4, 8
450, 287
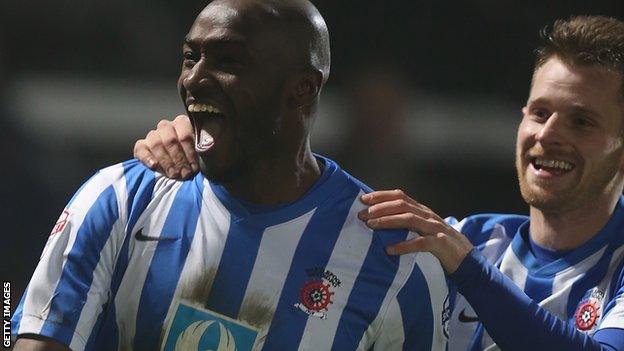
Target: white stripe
49, 270
140, 254
496, 244
273, 262
99, 291
512, 267
204, 254
393, 336
557, 302
345, 262
615, 317
378, 326
438, 292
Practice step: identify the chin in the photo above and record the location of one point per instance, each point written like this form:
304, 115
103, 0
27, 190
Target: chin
220, 173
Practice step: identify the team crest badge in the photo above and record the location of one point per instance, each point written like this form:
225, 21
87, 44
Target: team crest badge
588, 311
315, 296
192, 328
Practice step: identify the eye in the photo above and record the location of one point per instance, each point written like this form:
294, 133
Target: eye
582, 121
540, 113
190, 58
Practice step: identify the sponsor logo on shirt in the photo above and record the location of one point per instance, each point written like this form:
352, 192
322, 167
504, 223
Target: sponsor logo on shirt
588, 311
315, 296
61, 223
194, 328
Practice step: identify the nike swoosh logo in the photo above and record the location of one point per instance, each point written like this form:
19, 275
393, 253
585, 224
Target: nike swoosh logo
467, 319
142, 237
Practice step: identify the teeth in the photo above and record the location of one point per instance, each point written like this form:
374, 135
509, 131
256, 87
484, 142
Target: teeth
203, 108
566, 166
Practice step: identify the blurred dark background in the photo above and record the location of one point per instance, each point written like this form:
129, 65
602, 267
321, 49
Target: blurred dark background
423, 95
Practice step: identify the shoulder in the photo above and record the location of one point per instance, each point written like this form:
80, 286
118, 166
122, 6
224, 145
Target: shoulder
481, 227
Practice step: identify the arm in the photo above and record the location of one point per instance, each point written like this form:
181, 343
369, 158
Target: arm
169, 149
494, 297
71, 283
33, 342
486, 289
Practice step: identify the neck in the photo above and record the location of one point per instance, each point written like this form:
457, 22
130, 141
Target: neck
570, 229
283, 178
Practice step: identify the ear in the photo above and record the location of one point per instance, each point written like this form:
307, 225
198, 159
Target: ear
304, 88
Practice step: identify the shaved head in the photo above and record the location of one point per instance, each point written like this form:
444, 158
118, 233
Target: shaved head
297, 25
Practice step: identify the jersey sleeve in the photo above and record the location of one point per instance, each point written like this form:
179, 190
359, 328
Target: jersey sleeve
512, 319
416, 318
70, 285
611, 329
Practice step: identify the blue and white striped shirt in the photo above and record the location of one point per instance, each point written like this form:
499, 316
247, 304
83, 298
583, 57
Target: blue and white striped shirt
134, 251
583, 287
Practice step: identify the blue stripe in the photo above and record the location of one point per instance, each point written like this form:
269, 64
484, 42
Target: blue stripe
417, 313
17, 315
237, 261
313, 250
538, 288
167, 263
369, 290
71, 292
140, 187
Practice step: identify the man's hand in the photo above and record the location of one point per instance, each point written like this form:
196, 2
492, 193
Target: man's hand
169, 149
393, 209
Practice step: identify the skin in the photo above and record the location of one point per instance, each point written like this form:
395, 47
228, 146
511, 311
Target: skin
263, 63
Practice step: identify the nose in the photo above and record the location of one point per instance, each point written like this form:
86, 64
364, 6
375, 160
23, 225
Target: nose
197, 77
551, 131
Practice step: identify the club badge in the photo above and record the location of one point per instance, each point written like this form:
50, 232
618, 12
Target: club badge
588, 311
315, 296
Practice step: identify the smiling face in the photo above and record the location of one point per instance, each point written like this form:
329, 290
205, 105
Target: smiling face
570, 148
231, 83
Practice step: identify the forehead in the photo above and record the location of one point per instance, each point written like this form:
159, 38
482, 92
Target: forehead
592, 86
233, 20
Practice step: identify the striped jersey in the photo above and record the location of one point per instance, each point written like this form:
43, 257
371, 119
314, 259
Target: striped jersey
583, 287
141, 262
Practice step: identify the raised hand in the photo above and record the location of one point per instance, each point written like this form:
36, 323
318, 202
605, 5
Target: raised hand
169, 149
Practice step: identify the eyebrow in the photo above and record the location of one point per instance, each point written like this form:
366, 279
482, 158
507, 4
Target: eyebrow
577, 108
217, 41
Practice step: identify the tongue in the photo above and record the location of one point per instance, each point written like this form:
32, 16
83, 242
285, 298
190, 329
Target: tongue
209, 132
556, 171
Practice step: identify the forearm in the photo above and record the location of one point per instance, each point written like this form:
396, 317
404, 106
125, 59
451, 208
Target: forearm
512, 319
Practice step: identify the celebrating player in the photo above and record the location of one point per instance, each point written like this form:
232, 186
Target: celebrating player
554, 280
262, 249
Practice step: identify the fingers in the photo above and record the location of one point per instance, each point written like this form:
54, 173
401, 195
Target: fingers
408, 220
142, 152
386, 195
157, 148
169, 137
392, 207
184, 132
418, 244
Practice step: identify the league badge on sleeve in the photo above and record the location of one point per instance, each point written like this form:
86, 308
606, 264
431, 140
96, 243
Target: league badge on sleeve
192, 328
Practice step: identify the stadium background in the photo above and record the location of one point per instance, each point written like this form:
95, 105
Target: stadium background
423, 95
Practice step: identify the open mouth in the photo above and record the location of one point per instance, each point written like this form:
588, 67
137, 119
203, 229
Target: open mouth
551, 166
209, 122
